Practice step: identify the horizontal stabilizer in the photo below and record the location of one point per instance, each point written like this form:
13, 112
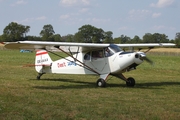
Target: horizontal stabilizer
32, 65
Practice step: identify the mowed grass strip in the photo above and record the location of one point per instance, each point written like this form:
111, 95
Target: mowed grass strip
156, 94
165, 51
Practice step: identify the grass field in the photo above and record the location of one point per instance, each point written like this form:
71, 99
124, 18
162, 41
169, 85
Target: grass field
156, 95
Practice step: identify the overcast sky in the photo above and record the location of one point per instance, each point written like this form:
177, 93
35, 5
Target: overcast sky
127, 17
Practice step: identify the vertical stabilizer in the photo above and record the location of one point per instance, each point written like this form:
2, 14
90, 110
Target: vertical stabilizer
42, 59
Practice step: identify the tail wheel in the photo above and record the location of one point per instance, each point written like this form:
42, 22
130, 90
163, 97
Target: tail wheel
130, 82
38, 77
101, 83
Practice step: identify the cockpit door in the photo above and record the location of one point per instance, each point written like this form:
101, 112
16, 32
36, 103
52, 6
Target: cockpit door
97, 60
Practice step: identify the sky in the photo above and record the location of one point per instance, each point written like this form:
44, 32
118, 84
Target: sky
122, 17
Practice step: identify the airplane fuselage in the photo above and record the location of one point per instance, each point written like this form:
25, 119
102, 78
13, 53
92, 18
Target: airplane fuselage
117, 63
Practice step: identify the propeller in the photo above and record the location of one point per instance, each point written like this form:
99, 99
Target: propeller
144, 57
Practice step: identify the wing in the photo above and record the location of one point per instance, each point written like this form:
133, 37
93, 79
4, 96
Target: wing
35, 45
146, 45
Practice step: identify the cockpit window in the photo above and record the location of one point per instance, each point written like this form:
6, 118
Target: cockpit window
87, 56
97, 54
104, 52
108, 52
94, 55
115, 48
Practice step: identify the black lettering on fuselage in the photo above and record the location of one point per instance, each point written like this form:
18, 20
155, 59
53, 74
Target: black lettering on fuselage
42, 60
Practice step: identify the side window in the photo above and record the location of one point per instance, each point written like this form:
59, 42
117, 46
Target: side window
97, 54
108, 52
87, 56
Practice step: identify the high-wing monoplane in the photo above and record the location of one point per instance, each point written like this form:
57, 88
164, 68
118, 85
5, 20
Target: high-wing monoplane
87, 58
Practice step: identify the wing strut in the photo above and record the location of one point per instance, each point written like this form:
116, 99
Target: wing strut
85, 66
148, 49
72, 54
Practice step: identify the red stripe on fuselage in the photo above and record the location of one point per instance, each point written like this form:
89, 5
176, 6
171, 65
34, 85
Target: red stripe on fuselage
41, 53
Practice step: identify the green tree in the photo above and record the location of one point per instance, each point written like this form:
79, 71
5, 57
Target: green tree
177, 35
148, 38
136, 39
90, 34
125, 39
117, 40
47, 32
15, 32
32, 38
1, 39
57, 37
155, 38
98, 35
86, 32
160, 38
78, 37
68, 38
108, 37
177, 39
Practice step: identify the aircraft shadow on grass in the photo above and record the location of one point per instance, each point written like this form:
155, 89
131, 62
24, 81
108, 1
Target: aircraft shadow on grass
75, 84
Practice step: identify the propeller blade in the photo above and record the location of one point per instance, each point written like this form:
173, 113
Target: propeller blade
148, 60
143, 56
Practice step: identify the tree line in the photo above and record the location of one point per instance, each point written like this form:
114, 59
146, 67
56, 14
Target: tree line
86, 34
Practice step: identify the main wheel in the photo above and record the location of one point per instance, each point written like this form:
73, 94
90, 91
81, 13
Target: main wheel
130, 82
101, 83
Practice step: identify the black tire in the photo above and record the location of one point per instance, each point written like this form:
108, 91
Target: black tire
38, 77
101, 83
130, 82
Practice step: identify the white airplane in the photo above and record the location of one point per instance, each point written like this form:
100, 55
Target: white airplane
87, 58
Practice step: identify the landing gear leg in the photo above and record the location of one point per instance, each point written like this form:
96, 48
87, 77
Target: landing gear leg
101, 82
130, 82
39, 76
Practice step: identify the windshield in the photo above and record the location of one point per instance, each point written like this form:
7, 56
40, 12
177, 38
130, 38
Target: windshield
115, 48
